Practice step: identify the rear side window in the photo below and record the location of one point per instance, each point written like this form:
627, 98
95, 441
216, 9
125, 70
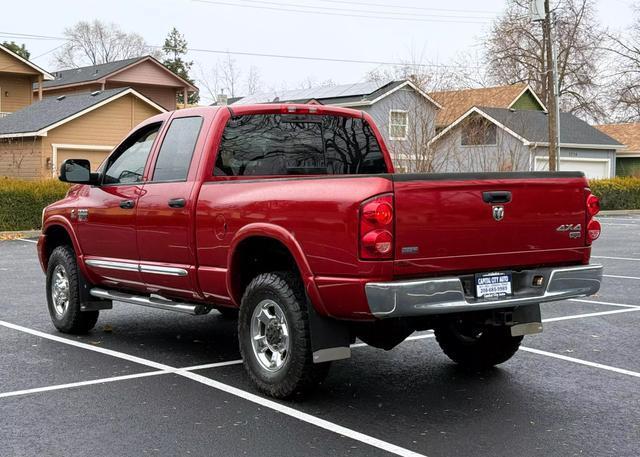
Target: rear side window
174, 158
283, 144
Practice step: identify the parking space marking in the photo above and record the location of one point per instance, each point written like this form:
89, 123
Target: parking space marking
71, 385
581, 362
597, 302
271, 404
633, 259
600, 313
620, 277
26, 240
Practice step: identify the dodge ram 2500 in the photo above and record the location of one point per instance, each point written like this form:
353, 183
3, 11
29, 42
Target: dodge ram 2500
290, 219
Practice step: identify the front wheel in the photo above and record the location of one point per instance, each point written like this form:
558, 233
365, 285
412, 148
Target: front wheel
273, 331
63, 293
476, 347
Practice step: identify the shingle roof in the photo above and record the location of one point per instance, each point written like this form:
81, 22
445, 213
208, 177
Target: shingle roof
322, 92
90, 73
627, 134
532, 125
457, 102
51, 110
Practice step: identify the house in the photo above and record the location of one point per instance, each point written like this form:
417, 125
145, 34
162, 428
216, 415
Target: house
503, 139
144, 74
35, 140
628, 159
17, 79
455, 103
403, 112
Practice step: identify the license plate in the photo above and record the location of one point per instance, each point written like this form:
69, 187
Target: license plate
493, 285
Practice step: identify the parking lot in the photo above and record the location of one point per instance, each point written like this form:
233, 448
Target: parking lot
158, 383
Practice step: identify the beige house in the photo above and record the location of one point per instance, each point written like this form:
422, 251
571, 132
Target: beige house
35, 140
144, 74
18, 77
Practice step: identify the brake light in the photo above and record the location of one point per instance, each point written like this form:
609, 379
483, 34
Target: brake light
298, 109
593, 205
593, 230
593, 226
376, 228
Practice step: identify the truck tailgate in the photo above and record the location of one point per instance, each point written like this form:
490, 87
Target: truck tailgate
463, 222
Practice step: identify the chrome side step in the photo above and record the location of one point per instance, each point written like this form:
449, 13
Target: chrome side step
152, 302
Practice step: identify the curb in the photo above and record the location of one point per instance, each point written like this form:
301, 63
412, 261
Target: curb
619, 212
12, 235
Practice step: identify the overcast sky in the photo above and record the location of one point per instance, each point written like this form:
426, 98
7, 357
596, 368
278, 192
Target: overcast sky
436, 31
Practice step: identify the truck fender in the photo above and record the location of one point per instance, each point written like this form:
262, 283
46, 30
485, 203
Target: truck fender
266, 230
330, 338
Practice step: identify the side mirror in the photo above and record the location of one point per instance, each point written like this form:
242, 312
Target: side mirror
77, 171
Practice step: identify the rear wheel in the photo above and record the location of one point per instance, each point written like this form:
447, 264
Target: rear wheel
477, 347
275, 343
63, 293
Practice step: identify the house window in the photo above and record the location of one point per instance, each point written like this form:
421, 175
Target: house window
398, 124
478, 132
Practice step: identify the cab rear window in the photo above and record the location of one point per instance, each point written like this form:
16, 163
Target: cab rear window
284, 144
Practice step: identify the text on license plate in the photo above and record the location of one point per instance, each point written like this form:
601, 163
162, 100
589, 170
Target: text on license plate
493, 284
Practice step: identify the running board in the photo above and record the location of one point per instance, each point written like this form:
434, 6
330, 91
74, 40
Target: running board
152, 302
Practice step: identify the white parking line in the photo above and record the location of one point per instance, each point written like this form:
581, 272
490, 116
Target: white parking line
616, 224
597, 302
600, 313
26, 240
620, 277
287, 410
634, 259
581, 362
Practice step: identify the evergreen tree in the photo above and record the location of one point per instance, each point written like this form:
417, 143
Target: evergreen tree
175, 49
21, 50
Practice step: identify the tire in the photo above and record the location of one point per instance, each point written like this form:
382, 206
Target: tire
477, 348
296, 374
63, 294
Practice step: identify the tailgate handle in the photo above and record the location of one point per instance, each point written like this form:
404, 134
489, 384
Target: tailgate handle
497, 196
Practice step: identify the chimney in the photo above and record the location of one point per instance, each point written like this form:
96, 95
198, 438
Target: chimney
222, 99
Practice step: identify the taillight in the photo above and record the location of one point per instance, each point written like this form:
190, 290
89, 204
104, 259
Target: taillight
593, 230
593, 205
376, 228
593, 226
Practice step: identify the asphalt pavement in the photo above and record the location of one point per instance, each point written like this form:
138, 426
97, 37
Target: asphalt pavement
149, 382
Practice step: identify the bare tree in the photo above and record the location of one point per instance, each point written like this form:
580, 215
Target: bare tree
624, 46
253, 80
515, 52
230, 74
96, 42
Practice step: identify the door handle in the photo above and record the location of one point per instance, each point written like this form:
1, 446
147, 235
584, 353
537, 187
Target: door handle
498, 196
177, 203
127, 204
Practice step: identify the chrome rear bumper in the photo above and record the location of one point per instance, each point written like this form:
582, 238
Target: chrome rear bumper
423, 297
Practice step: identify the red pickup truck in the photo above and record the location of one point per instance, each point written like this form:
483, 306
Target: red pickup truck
290, 218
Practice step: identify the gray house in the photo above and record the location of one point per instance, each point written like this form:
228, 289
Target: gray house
498, 139
404, 114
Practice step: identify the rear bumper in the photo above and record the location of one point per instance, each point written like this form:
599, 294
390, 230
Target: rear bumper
423, 297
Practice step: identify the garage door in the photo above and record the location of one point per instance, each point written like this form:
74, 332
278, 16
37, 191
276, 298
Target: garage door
94, 156
592, 168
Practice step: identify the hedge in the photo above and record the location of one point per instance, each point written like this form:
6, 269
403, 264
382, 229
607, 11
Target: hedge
617, 193
21, 202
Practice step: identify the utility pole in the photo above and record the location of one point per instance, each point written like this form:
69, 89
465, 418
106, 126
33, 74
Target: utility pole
553, 104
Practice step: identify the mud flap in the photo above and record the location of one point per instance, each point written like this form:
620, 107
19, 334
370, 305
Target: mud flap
526, 320
87, 301
330, 338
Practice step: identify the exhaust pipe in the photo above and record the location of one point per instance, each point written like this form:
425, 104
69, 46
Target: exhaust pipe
151, 302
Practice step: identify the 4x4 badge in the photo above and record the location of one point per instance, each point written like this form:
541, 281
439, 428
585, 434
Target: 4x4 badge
498, 213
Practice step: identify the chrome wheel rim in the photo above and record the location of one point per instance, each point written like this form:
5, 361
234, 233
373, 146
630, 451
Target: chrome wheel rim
270, 335
60, 290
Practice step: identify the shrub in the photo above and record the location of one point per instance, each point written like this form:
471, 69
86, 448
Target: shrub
617, 193
21, 202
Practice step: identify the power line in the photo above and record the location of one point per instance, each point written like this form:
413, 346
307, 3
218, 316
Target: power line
325, 13
420, 8
384, 14
279, 56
